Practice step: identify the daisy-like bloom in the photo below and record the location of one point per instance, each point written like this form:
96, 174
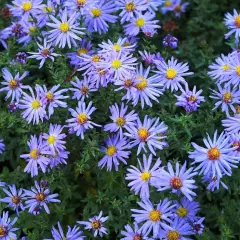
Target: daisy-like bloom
232, 22
226, 98
154, 217
66, 31
53, 97
171, 73
189, 100
179, 8
144, 176
232, 124
44, 52
6, 227
80, 6
148, 58
54, 138
216, 157
134, 233
34, 108
14, 198
235, 142
150, 133
12, 84
44, 16
214, 183
178, 229
81, 120
168, 6
142, 22
96, 224
72, 233
131, 8
21, 57
186, 209
147, 88
179, 181
198, 227
2, 146
119, 64
120, 119
82, 88
115, 151
39, 198
234, 71
58, 158
99, 15
36, 158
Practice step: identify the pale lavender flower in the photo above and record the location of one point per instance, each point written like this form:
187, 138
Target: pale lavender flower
179, 8
58, 158
21, 57
232, 22
232, 124
214, 182
147, 57
234, 140
198, 227
80, 6
234, 70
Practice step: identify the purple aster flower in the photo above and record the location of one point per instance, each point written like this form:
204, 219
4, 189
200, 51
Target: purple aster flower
36, 158
39, 198
96, 224
168, 6
65, 31
21, 57
13, 106
14, 198
120, 119
72, 233
170, 41
153, 5
81, 120
144, 176
53, 97
82, 88
6, 227
216, 157
234, 77
80, 6
154, 217
189, 100
34, 108
58, 158
2, 146
44, 52
198, 227
115, 151
3, 38
235, 142
147, 57
171, 73
232, 22
179, 8
99, 15
232, 124
142, 22
149, 133
13, 84
179, 181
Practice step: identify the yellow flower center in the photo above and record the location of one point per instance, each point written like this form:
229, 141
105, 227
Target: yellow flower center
142, 84
16, 200
143, 134
237, 21
126, 44
236, 144
96, 12
81, 2
117, 47
32, 30
128, 83
48, 9
178, 8
192, 98
140, 22
171, 73
130, 6
84, 90
81, 51
34, 153
173, 235
225, 67
227, 97
167, 3
96, 224
155, 215
64, 27
101, 71
137, 237
176, 182
116, 63
13, 84
82, 118
36, 104
111, 150
3, 231
27, 6
96, 58
238, 70
120, 121
213, 153
145, 176
182, 212
51, 139
45, 52
40, 196
50, 96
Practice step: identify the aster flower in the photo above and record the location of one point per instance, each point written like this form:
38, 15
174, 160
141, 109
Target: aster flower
198, 227
234, 140
180, 181
96, 224
81, 120
149, 133
189, 100
80, 6
65, 31
6, 227
21, 57
168, 6
170, 41
214, 183
232, 124
2, 146
36, 158
234, 64
58, 158
39, 198
3, 38
13, 84
179, 8
232, 22
99, 15
72, 233
82, 88
154, 217
171, 73
120, 119
115, 151
142, 22
44, 52
13, 106
216, 157
14, 198
53, 97
34, 108
144, 176
148, 58
153, 5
